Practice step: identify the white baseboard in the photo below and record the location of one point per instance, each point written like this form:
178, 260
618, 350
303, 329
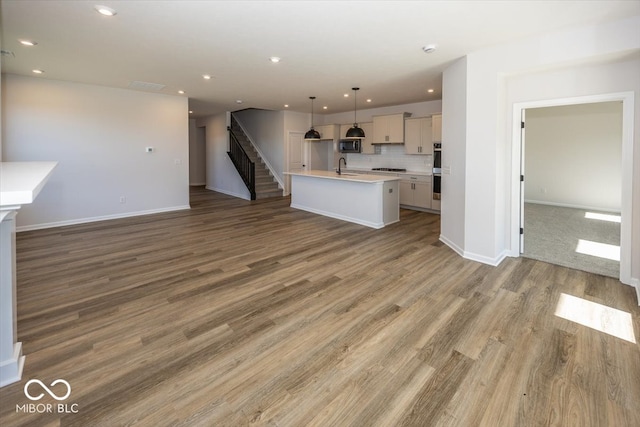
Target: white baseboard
99, 218
197, 184
229, 193
636, 284
11, 369
573, 206
452, 245
475, 257
376, 225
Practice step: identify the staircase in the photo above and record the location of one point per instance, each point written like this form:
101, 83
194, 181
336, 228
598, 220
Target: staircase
265, 183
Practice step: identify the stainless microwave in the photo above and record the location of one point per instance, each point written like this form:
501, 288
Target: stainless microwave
349, 146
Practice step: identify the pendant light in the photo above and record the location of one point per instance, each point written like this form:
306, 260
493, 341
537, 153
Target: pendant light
312, 134
355, 132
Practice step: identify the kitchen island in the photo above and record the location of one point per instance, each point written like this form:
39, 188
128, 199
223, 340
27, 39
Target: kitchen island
370, 200
20, 184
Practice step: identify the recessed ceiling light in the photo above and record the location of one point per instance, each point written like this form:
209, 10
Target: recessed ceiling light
181, 92
105, 10
325, 107
429, 48
430, 90
28, 43
369, 100
238, 101
206, 76
38, 71
286, 105
274, 59
190, 111
346, 95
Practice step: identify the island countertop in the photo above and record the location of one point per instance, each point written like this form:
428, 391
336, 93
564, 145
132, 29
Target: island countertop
345, 176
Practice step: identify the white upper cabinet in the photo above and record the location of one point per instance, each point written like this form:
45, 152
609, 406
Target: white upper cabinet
417, 136
389, 129
327, 131
436, 127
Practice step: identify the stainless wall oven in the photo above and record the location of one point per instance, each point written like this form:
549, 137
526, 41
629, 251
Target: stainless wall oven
437, 169
436, 186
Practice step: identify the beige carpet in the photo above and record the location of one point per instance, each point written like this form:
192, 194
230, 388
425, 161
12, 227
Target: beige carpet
558, 235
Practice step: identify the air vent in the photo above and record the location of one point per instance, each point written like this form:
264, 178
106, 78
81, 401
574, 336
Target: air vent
152, 87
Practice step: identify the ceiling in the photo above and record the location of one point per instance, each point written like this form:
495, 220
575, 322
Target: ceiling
326, 47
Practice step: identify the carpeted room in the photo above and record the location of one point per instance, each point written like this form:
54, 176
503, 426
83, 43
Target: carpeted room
573, 186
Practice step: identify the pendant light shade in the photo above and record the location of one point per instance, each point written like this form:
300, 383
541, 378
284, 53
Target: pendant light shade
355, 132
312, 134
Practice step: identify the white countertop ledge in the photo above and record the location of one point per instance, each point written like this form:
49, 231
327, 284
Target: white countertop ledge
346, 176
21, 182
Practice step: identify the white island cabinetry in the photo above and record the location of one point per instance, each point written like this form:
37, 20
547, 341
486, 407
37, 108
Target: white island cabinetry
20, 184
370, 200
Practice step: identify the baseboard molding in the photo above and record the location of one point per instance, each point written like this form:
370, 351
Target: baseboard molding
475, 257
11, 369
99, 218
376, 225
569, 205
197, 184
230, 193
486, 260
636, 284
457, 249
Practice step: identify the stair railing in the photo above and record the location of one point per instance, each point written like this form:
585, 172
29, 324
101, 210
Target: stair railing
246, 168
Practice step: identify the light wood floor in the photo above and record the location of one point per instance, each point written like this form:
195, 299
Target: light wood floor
243, 313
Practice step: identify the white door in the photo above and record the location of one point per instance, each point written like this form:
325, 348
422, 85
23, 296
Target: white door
296, 156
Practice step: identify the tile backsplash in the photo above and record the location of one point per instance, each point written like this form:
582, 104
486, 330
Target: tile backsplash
391, 156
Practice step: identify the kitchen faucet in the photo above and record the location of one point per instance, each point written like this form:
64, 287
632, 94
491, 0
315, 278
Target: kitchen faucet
345, 165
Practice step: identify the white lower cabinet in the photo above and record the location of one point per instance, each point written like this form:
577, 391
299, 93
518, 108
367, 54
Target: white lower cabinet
415, 190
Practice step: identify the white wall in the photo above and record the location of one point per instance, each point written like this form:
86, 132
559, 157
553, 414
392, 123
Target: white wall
222, 176
454, 121
573, 156
564, 64
98, 137
197, 153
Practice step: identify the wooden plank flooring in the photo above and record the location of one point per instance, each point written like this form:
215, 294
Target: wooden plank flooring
240, 313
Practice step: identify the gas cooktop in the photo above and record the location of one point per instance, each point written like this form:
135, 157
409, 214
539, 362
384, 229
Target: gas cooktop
389, 169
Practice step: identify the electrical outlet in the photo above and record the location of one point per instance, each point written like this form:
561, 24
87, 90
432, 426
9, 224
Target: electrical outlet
149, 149
177, 162
123, 199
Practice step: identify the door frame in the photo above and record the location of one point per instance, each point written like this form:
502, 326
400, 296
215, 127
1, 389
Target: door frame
517, 156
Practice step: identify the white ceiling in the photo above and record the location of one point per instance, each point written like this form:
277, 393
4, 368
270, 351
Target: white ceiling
327, 47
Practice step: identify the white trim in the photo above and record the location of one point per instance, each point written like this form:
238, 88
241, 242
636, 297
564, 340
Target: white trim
376, 225
197, 184
569, 205
99, 218
486, 260
11, 369
635, 282
262, 156
628, 108
230, 193
457, 249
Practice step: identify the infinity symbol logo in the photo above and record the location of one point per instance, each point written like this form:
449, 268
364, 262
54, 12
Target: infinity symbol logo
52, 394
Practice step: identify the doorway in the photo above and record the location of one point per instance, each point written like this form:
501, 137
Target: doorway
626, 171
572, 195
